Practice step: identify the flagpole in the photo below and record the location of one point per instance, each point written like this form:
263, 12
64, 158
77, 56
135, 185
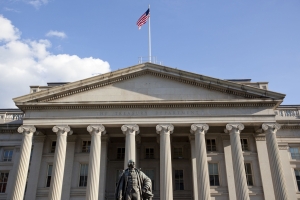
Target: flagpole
149, 36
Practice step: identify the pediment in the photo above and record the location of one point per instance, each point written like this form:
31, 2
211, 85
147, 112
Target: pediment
147, 82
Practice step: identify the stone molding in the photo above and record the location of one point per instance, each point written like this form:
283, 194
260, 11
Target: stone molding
164, 128
67, 90
96, 129
289, 126
237, 126
201, 128
145, 106
130, 128
62, 129
260, 138
283, 147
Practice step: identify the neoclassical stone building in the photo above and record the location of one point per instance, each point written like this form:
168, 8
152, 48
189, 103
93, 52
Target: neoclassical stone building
195, 136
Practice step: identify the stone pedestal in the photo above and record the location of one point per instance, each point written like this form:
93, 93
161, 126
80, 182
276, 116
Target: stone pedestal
22, 170
59, 161
274, 157
166, 188
242, 192
130, 130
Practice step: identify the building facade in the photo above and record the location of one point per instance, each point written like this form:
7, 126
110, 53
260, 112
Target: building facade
196, 137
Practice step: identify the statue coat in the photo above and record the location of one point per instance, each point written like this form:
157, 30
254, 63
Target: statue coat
144, 182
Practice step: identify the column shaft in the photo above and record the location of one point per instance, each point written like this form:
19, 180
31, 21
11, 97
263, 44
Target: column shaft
166, 183
274, 157
103, 167
201, 160
194, 168
58, 162
242, 191
92, 190
22, 171
130, 147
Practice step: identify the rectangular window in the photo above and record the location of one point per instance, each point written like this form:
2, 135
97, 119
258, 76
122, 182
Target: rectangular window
151, 174
86, 146
3, 181
118, 174
53, 145
178, 153
211, 145
149, 153
83, 175
7, 155
49, 174
213, 174
295, 153
249, 175
179, 185
244, 143
121, 153
297, 174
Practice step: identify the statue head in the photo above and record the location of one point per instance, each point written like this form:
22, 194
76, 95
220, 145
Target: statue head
131, 164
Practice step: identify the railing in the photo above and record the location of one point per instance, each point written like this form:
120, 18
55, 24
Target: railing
295, 156
151, 59
12, 116
287, 113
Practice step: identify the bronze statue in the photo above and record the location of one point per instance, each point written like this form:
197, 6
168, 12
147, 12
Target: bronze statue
133, 184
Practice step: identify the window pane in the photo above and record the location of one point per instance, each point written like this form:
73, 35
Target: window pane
179, 185
83, 175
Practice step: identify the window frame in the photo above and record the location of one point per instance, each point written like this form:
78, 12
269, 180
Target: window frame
86, 173
47, 175
51, 147
179, 179
174, 153
243, 145
3, 154
218, 169
87, 147
297, 156
123, 157
150, 156
216, 149
247, 175
298, 186
4, 183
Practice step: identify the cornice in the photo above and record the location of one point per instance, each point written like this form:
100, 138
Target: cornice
223, 86
148, 105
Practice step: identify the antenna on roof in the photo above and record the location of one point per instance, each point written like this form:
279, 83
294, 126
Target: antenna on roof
152, 59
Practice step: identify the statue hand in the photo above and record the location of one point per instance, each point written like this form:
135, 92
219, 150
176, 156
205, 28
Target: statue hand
144, 190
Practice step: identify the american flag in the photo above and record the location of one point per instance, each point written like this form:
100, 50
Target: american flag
143, 19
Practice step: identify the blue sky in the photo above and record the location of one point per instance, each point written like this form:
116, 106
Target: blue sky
223, 39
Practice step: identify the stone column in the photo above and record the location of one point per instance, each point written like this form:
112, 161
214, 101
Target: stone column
103, 167
166, 183
242, 192
274, 157
194, 167
94, 161
130, 130
201, 159
34, 168
22, 170
59, 161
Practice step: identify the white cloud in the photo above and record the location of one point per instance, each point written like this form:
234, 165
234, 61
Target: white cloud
29, 62
37, 3
11, 10
56, 34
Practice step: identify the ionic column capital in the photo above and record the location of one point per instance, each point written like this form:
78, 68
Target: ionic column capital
270, 127
62, 129
233, 128
27, 130
96, 129
199, 128
164, 128
130, 129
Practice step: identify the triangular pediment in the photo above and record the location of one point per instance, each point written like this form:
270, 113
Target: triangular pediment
147, 82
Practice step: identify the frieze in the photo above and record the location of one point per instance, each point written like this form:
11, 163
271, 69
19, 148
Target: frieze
260, 138
212, 105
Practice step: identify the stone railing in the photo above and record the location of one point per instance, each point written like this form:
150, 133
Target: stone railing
287, 113
9, 116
